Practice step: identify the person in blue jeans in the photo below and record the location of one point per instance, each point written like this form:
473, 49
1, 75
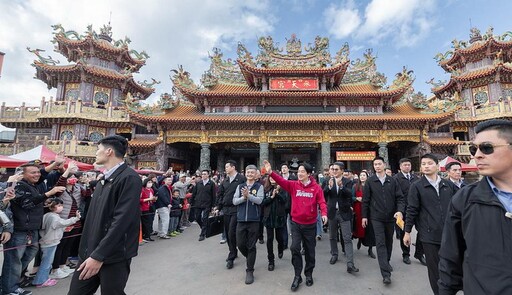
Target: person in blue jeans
27, 211
51, 233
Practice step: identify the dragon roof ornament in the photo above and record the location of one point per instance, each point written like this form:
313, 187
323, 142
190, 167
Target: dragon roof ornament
182, 77
435, 105
105, 35
362, 70
403, 78
315, 55
165, 103
225, 71
45, 60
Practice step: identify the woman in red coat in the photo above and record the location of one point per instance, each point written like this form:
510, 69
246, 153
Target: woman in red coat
365, 236
147, 197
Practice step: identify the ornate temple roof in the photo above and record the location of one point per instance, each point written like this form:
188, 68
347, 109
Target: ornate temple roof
75, 47
477, 48
190, 114
444, 141
504, 70
144, 142
52, 74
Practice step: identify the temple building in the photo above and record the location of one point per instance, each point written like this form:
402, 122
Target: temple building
289, 105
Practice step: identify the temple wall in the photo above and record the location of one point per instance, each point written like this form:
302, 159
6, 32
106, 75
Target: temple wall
27, 136
494, 92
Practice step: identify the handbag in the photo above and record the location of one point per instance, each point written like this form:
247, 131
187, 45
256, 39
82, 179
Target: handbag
214, 225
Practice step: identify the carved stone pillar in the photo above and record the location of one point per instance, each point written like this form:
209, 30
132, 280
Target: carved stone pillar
204, 162
263, 152
383, 151
326, 155
162, 160
221, 160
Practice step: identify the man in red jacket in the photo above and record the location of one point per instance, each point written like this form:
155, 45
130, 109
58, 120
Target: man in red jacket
306, 196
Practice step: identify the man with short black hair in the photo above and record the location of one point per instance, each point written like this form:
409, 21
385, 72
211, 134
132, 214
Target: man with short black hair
338, 193
405, 178
428, 202
454, 171
110, 238
27, 212
225, 203
383, 202
203, 199
476, 251
306, 196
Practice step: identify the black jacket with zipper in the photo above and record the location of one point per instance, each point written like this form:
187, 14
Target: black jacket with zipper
382, 201
226, 192
476, 248
427, 210
342, 197
111, 230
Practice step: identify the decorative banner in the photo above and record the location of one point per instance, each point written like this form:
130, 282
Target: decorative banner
293, 84
355, 156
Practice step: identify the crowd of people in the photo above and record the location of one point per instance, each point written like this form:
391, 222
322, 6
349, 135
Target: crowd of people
86, 224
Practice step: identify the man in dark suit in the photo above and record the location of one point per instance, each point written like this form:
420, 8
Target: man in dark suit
203, 199
110, 237
338, 193
405, 177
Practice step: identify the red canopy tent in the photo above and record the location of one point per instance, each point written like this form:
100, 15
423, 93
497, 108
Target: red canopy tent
6, 162
46, 155
465, 167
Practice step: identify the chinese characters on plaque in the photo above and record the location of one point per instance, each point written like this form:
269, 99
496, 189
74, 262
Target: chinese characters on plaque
293, 84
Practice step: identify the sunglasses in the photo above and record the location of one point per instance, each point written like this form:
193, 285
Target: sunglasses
486, 148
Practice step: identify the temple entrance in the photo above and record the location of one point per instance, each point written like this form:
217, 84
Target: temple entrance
356, 156
295, 154
403, 149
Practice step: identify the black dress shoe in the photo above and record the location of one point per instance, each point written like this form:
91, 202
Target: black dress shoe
370, 253
352, 269
271, 267
229, 265
249, 278
150, 239
309, 281
333, 260
359, 244
407, 260
386, 280
201, 238
296, 282
421, 259
280, 255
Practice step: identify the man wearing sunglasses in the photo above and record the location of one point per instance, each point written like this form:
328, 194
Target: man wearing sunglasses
476, 246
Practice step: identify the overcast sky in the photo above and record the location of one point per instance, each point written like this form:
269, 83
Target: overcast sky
177, 32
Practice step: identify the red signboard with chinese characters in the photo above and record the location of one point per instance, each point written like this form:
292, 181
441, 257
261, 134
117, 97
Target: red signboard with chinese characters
293, 84
355, 156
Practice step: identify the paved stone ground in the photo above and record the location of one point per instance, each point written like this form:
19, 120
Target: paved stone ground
182, 265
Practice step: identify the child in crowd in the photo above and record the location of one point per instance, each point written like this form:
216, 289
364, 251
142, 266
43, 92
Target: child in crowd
51, 234
175, 213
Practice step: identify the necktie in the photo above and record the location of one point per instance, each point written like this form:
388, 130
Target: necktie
408, 177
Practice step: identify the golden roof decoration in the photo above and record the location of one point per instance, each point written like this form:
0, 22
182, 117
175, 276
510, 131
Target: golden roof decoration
315, 55
362, 70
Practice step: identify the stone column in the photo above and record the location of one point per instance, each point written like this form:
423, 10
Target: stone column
162, 160
383, 151
221, 160
263, 152
242, 164
204, 162
326, 155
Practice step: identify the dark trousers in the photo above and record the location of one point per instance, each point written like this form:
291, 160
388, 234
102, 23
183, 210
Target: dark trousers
384, 241
285, 232
407, 250
270, 242
246, 237
305, 234
146, 220
260, 230
201, 216
230, 228
112, 278
64, 248
432, 257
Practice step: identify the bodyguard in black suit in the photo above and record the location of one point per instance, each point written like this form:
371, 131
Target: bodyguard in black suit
405, 178
110, 237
